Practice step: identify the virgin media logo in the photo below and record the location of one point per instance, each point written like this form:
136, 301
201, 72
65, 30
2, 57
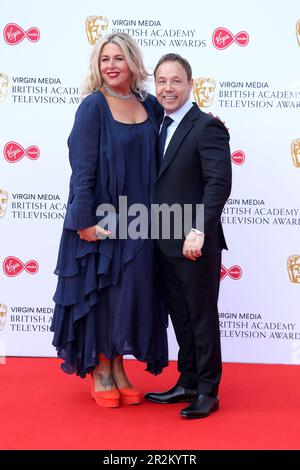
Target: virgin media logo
223, 38
13, 34
14, 152
238, 157
12, 266
235, 272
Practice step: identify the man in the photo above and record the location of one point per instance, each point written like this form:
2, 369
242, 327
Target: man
195, 169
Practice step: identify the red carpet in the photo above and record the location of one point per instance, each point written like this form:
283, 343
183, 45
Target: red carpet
43, 408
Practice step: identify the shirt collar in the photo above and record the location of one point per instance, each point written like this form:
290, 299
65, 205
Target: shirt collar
178, 115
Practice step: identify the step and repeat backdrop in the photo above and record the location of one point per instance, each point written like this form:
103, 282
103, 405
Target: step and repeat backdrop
246, 68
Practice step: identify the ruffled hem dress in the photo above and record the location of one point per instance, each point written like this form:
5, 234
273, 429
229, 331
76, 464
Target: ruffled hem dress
107, 298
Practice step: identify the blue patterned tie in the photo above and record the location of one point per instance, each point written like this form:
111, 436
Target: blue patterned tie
163, 135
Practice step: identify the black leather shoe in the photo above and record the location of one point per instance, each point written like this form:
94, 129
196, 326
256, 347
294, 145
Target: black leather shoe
175, 395
200, 407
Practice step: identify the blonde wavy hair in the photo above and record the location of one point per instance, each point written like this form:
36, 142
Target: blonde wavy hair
133, 56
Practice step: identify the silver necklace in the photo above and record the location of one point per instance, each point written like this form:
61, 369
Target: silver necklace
111, 92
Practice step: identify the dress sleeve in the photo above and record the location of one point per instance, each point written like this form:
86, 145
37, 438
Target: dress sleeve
84, 152
157, 109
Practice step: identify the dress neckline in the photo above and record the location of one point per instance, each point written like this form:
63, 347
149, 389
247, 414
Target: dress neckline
121, 122
131, 123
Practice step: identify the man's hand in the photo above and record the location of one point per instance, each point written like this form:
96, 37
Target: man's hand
193, 245
93, 234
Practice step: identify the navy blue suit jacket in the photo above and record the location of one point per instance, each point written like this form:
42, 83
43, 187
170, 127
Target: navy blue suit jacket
196, 169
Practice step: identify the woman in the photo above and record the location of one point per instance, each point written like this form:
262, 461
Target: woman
107, 303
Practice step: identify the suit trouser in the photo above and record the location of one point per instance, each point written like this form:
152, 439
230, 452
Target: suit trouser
191, 291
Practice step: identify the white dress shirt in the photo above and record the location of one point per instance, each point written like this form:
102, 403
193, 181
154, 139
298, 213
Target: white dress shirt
177, 118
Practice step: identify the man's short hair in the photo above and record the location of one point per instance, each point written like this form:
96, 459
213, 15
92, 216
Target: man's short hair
175, 58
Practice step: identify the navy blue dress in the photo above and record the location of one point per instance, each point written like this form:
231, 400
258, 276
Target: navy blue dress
107, 297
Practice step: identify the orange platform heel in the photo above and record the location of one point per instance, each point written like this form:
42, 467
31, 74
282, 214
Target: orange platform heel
108, 399
130, 396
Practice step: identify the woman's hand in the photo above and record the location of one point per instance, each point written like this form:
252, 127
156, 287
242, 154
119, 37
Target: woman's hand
219, 119
93, 234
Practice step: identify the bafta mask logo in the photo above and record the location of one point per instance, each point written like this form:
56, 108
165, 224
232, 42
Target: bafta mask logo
3, 312
298, 32
295, 151
95, 27
3, 202
293, 265
204, 90
4, 80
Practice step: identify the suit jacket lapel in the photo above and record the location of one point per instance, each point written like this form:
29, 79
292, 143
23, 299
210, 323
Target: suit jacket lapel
182, 130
